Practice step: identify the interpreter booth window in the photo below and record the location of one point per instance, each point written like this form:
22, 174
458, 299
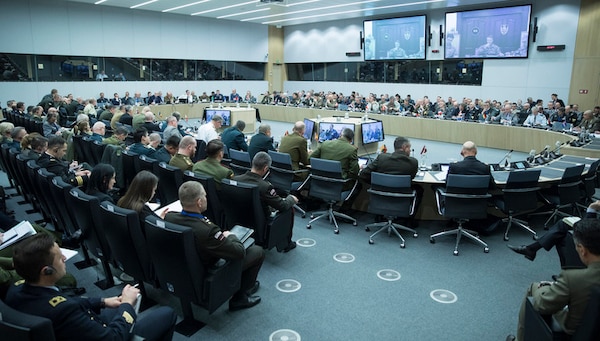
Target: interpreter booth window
464, 72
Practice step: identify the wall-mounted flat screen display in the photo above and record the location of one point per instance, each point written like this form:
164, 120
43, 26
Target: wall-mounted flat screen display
331, 131
372, 132
395, 39
309, 127
225, 114
488, 33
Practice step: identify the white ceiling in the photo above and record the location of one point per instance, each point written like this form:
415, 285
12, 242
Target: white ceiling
292, 12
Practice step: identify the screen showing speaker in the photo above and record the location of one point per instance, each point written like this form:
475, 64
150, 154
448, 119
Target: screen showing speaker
372, 132
332, 131
488, 33
394, 39
225, 115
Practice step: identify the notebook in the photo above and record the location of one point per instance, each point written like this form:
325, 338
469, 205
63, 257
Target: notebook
16, 233
242, 233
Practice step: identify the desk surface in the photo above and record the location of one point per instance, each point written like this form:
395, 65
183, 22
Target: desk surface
551, 172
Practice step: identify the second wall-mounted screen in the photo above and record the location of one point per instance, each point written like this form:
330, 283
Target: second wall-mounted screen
395, 39
488, 33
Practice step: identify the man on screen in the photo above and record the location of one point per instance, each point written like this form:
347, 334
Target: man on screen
489, 49
397, 52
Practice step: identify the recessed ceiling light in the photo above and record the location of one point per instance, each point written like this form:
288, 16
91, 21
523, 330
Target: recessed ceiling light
99, 2
143, 4
242, 13
226, 7
183, 6
312, 9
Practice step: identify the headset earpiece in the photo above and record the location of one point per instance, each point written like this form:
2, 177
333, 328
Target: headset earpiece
48, 270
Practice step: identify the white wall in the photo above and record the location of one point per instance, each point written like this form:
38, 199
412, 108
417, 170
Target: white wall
74, 29
538, 76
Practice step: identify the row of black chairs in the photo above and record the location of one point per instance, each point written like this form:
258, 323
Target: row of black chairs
29, 124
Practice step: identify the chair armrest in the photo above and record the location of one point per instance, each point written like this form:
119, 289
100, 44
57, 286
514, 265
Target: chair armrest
323, 178
393, 194
521, 190
536, 326
467, 196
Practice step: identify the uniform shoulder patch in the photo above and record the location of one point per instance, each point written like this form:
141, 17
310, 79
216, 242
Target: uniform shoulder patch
19, 282
56, 300
272, 192
127, 316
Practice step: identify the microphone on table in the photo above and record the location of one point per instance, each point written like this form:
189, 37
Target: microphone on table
531, 157
505, 157
545, 152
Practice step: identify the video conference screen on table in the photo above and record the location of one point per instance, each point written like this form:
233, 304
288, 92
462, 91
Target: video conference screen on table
488, 33
225, 114
331, 131
372, 132
309, 128
395, 39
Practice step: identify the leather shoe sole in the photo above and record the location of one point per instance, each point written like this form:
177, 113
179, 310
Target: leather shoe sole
245, 303
254, 289
523, 250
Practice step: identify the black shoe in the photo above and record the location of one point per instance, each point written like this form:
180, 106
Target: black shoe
244, 303
523, 250
511, 337
254, 289
290, 247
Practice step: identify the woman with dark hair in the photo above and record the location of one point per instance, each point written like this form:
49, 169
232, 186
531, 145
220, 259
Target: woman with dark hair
101, 181
140, 191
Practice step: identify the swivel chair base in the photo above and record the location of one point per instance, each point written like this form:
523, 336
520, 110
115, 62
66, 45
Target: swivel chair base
557, 213
299, 209
390, 226
518, 222
331, 214
459, 232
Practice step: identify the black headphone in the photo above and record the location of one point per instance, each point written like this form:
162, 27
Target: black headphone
48, 270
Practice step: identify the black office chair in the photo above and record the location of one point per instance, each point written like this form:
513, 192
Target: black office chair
190, 280
43, 179
91, 235
543, 327
281, 175
326, 183
200, 151
18, 326
169, 180
128, 167
244, 208
465, 197
214, 212
520, 197
4, 150
27, 185
10, 162
588, 187
144, 162
96, 150
32, 168
566, 195
392, 197
78, 148
127, 241
86, 148
240, 161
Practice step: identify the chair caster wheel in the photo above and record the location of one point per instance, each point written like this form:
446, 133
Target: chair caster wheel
415, 235
312, 216
371, 241
455, 252
402, 246
354, 224
308, 226
486, 249
303, 216
535, 237
505, 238
432, 241
367, 229
336, 231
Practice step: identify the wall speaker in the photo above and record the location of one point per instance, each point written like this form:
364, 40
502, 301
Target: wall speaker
352, 54
535, 29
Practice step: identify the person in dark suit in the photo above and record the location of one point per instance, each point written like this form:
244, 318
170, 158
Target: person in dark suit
269, 198
568, 296
53, 162
233, 137
469, 165
261, 142
40, 262
399, 162
101, 182
554, 237
212, 243
141, 142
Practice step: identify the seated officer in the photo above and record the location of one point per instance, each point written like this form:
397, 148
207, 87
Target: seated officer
40, 262
53, 161
183, 158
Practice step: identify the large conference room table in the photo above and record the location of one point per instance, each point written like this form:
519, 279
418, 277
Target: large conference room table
196, 110
522, 139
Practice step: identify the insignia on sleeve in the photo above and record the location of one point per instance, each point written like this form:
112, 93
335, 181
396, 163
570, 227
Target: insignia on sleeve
127, 316
219, 236
56, 300
19, 282
273, 192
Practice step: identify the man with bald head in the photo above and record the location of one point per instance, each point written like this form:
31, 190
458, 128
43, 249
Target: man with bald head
469, 165
589, 122
183, 158
295, 145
